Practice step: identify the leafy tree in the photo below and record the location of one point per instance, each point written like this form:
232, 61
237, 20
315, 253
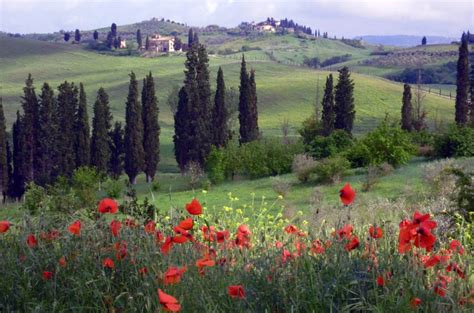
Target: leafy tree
67, 36
47, 135
117, 150
18, 179
139, 38
100, 140
219, 128
4, 178
30, 124
82, 131
96, 35
344, 101
110, 40
77, 35
462, 83
134, 154
151, 129
423, 41
66, 110
407, 109
328, 115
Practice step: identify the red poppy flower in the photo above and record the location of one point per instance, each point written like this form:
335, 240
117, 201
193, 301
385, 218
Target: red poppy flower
432, 261
186, 224
242, 239
317, 247
173, 275
424, 238
108, 205
222, 236
278, 244
180, 239
168, 302
205, 262
50, 235
150, 227
415, 302
345, 232
291, 229
166, 247
380, 281
115, 227
423, 220
455, 245
375, 232
454, 267
441, 284
347, 194
4, 226
236, 291
194, 208
352, 244
159, 238
286, 256
143, 270
418, 231
31, 241
108, 263
75, 228
62, 261
130, 223
47, 275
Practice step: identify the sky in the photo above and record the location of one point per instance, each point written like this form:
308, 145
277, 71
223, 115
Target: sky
347, 18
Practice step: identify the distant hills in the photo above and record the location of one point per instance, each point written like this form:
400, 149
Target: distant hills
404, 40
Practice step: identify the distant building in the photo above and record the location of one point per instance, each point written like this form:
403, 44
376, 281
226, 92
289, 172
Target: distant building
265, 27
160, 43
123, 44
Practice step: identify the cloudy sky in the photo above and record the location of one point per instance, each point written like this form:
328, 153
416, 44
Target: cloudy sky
339, 17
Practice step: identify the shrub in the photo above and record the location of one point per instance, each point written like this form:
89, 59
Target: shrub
303, 165
332, 169
36, 198
310, 128
194, 172
324, 147
374, 173
457, 142
113, 188
280, 186
359, 155
85, 182
215, 165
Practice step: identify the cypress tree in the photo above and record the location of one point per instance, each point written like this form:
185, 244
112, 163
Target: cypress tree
9, 171
244, 99
96, 35
134, 154
100, 140
47, 134
77, 35
190, 38
471, 91
407, 109
113, 30
110, 40
151, 129
116, 151
462, 83
204, 104
4, 178
18, 179
147, 43
344, 101
423, 41
195, 39
67, 36
182, 135
252, 120
82, 131
66, 110
139, 39
328, 115
220, 130
30, 126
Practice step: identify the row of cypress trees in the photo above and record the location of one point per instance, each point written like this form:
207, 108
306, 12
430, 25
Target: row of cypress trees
464, 85
52, 137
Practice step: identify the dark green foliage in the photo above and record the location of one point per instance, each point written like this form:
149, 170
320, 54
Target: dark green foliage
344, 101
10, 186
464, 193
219, 127
133, 139
82, 131
387, 143
67, 36
66, 110
139, 38
77, 35
151, 129
116, 151
336, 59
205, 106
456, 142
113, 30
177, 43
190, 38
47, 135
18, 179
248, 114
462, 83
215, 165
195, 38
326, 146
407, 109
471, 90
331, 170
30, 125
100, 140
147, 43
96, 35
423, 41
4, 178
311, 127
328, 116
181, 136
110, 40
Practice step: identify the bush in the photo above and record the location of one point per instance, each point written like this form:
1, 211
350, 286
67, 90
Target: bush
215, 165
113, 188
324, 147
457, 142
332, 169
280, 186
310, 128
303, 165
36, 199
85, 182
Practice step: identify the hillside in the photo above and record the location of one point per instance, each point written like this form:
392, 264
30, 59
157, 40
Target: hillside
283, 91
404, 40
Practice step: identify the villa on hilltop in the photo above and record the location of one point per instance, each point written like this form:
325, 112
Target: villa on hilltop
160, 43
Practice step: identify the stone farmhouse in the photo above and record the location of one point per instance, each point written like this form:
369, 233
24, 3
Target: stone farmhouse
160, 43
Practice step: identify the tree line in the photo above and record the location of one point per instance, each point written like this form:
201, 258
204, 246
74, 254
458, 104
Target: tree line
51, 137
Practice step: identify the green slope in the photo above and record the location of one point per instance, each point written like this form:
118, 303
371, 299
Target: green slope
284, 92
